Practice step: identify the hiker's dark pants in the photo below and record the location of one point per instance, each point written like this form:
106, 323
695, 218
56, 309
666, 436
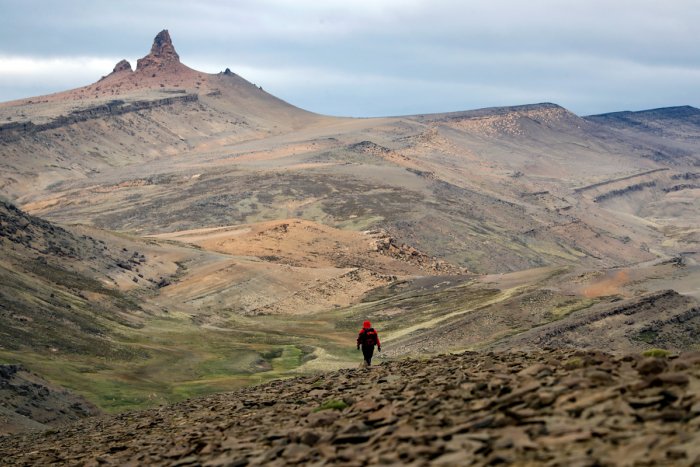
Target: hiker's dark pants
368, 351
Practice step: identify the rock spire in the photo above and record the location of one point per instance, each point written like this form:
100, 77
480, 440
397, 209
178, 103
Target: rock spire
162, 53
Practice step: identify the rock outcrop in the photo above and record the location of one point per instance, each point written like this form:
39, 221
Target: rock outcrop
162, 56
387, 245
561, 407
15, 131
623, 191
123, 65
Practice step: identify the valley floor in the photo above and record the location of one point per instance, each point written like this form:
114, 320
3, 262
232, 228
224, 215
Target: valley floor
229, 318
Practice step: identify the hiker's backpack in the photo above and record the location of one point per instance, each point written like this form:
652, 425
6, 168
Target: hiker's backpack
370, 337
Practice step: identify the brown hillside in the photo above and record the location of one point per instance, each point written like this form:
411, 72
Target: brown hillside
31, 403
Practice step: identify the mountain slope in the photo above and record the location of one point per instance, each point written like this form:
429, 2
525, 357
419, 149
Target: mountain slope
672, 132
61, 291
503, 184
31, 403
556, 407
131, 117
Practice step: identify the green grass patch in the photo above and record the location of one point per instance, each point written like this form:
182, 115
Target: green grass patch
657, 353
332, 404
568, 307
289, 359
647, 336
176, 359
359, 223
553, 249
573, 363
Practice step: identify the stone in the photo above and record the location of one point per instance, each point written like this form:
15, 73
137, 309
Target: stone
378, 417
365, 405
680, 379
637, 403
515, 437
538, 369
323, 418
673, 415
405, 432
296, 453
651, 366
189, 460
123, 65
448, 410
353, 428
352, 438
676, 453
695, 409
598, 376
309, 437
553, 441
546, 398
162, 55
575, 381
690, 359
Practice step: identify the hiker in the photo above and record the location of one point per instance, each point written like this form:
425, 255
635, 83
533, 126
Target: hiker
368, 338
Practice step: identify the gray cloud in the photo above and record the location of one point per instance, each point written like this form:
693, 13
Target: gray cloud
374, 57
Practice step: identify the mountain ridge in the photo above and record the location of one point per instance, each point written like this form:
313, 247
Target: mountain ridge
163, 61
679, 110
158, 74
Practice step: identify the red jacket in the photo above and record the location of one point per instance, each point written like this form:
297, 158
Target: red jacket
368, 336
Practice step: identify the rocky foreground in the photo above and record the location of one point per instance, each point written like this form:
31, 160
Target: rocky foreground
560, 407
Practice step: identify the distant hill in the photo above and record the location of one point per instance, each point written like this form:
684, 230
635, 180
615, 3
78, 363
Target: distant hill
686, 114
672, 132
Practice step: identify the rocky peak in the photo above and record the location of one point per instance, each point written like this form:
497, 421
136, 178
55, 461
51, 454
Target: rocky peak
163, 46
122, 66
162, 53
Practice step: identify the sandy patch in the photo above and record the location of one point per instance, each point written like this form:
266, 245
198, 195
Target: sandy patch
610, 284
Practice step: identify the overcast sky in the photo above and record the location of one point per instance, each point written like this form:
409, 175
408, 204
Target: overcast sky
376, 57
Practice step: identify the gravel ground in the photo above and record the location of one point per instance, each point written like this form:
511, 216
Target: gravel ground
557, 407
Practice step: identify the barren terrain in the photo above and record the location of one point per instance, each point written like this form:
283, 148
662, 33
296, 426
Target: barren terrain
167, 233
545, 407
